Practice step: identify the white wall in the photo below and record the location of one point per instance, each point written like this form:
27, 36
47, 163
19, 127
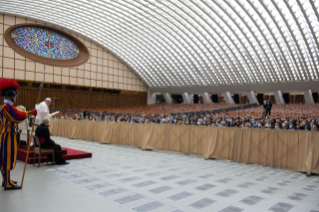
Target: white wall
103, 70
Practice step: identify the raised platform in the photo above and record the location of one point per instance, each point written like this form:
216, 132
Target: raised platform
68, 154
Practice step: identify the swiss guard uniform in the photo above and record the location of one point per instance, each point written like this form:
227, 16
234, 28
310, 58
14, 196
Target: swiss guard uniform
9, 118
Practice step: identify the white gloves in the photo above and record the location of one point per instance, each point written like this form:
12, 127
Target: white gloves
37, 107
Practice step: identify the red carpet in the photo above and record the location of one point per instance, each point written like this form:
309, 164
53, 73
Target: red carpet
68, 154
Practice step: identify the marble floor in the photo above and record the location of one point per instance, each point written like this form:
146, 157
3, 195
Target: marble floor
122, 178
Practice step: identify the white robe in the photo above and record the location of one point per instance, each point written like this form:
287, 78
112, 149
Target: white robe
42, 112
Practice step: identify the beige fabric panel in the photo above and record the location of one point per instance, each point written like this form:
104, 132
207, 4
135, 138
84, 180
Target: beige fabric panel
296, 150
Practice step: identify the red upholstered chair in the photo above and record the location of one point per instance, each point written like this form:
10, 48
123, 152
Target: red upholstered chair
40, 152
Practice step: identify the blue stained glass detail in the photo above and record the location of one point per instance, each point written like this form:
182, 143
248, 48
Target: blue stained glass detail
45, 43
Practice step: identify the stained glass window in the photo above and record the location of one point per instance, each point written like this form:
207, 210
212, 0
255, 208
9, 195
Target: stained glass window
45, 43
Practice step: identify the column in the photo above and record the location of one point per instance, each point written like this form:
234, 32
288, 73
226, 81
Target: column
206, 98
228, 97
151, 97
168, 98
278, 97
309, 97
251, 96
186, 98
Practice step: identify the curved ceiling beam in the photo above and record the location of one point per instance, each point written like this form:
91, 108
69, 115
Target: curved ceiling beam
177, 43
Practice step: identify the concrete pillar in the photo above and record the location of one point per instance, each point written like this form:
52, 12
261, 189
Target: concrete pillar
278, 97
252, 97
228, 97
206, 98
168, 98
309, 97
186, 98
151, 97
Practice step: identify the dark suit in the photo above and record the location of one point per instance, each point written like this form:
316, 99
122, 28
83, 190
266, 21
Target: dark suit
86, 114
42, 131
268, 108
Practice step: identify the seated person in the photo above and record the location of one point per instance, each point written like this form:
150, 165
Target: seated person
43, 133
307, 125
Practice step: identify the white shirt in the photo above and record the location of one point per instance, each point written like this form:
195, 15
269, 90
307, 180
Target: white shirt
8, 101
42, 112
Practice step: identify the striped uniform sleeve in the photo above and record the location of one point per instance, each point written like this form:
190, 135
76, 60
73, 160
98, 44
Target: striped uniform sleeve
14, 115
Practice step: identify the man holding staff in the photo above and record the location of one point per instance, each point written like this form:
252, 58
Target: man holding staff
9, 118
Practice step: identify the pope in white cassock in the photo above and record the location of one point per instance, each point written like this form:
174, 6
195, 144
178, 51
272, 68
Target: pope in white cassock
43, 111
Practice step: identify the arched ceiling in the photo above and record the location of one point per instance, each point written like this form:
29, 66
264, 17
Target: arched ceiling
189, 43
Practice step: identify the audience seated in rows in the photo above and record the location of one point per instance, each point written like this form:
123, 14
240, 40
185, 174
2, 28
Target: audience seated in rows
285, 117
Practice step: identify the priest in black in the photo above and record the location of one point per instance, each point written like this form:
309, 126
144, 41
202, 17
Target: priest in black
43, 133
268, 107
86, 114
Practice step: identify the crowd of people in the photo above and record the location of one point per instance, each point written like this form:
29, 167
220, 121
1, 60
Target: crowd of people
290, 117
163, 108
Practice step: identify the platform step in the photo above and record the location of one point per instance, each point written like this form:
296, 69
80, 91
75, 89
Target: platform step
23, 151
68, 154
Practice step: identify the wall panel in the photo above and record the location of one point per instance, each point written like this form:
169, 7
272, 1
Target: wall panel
76, 99
101, 61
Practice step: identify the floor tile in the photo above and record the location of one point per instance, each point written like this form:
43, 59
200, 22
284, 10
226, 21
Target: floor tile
246, 185
179, 196
251, 200
281, 207
129, 179
160, 189
115, 175
86, 181
154, 174
202, 203
185, 182
112, 192
226, 193
148, 207
97, 186
224, 180
270, 190
231, 209
130, 198
205, 176
297, 196
204, 187
143, 184
310, 187
171, 177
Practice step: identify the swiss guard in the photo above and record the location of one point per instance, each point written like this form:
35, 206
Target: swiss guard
9, 118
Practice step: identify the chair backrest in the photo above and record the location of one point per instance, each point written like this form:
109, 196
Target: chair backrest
37, 141
25, 124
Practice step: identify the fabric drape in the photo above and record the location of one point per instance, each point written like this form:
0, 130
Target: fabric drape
296, 150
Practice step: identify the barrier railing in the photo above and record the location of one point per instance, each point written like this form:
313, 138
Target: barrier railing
297, 150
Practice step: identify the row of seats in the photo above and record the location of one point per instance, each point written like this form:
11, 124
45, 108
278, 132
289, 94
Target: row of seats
282, 111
